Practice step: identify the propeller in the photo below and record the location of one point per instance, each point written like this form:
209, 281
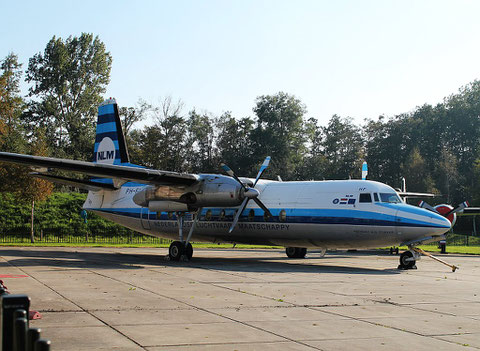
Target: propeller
250, 193
446, 211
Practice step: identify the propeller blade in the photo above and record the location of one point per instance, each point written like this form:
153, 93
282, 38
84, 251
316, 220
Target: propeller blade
423, 204
237, 215
459, 208
262, 206
229, 171
262, 169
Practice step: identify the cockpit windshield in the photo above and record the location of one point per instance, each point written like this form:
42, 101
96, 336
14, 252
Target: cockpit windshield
390, 197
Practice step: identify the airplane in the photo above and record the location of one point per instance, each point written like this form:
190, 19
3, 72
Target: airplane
333, 214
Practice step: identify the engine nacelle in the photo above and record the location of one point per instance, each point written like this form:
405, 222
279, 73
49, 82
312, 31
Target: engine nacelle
161, 193
211, 191
167, 206
443, 209
218, 191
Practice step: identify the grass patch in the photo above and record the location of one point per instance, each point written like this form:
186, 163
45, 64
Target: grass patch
470, 250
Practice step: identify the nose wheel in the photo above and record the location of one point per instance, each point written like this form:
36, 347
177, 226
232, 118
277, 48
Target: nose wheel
407, 260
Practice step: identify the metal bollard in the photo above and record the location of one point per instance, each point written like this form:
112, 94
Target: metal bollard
42, 345
19, 334
33, 334
19, 314
9, 304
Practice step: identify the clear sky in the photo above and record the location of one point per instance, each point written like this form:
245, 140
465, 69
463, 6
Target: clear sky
353, 58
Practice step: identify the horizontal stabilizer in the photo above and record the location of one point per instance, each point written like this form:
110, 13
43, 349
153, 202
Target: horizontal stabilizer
77, 183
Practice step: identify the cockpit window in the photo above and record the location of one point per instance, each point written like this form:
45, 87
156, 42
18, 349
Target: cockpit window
375, 197
365, 197
390, 197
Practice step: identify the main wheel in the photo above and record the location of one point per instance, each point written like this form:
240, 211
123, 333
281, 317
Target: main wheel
296, 252
405, 262
189, 251
176, 250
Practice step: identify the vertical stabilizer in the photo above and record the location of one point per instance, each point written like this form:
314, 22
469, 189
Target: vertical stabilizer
110, 146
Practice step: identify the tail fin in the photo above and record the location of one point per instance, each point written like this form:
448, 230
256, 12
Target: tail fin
110, 146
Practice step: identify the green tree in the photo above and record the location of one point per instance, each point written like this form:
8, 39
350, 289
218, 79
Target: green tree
343, 148
12, 138
164, 145
11, 105
315, 164
234, 143
202, 157
131, 115
279, 133
417, 174
33, 189
68, 79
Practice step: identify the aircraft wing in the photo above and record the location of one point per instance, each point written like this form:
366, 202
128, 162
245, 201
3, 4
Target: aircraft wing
469, 211
122, 173
409, 194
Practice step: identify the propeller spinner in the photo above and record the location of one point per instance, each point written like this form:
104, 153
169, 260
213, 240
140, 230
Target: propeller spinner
249, 193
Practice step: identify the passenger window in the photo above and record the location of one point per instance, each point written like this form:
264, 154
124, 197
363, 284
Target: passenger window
365, 198
375, 197
251, 215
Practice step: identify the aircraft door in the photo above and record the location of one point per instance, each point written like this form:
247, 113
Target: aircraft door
144, 217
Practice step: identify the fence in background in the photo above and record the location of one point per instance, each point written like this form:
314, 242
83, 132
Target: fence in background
62, 235
127, 236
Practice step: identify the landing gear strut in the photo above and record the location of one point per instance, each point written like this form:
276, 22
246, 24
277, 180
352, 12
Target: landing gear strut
296, 252
182, 247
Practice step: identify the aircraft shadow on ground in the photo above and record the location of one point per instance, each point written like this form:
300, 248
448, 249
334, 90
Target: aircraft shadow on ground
266, 263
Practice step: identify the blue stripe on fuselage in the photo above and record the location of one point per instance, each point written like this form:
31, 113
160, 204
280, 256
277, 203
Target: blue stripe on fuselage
301, 216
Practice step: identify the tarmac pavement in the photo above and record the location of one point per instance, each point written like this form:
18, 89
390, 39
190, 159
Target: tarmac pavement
232, 299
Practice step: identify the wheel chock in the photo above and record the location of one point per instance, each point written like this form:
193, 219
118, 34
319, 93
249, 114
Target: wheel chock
32, 315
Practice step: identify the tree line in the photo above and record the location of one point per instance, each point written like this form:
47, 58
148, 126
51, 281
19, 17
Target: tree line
436, 148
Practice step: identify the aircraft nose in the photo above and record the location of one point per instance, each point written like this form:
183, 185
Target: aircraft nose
440, 222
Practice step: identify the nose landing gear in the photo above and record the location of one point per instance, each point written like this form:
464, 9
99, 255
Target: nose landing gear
408, 259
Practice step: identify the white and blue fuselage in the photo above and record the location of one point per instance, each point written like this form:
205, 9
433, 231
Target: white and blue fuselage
325, 214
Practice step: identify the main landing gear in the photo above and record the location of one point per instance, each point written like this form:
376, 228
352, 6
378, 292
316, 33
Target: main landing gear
182, 249
296, 252
177, 249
